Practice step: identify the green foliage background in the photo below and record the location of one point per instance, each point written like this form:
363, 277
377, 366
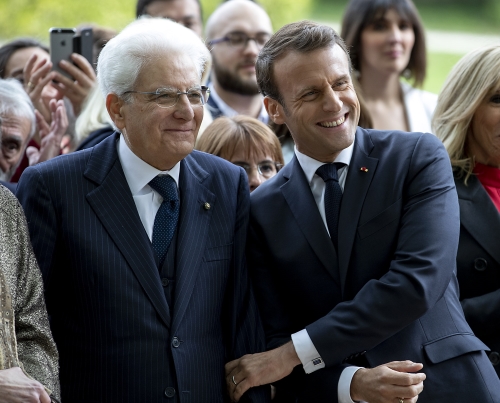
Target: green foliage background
34, 17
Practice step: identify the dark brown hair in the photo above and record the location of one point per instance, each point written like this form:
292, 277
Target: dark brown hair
361, 13
7, 50
303, 37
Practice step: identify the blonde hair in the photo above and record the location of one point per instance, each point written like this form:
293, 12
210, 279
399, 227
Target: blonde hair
475, 77
225, 135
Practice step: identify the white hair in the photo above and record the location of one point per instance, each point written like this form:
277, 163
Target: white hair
124, 56
15, 102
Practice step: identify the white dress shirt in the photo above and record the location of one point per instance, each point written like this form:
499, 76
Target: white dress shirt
308, 355
138, 174
230, 112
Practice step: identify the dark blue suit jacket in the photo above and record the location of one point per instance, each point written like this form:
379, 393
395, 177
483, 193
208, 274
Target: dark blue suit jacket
391, 292
478, 263
118, 339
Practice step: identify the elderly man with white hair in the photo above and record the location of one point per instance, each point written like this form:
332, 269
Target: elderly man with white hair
19, 121
141, 240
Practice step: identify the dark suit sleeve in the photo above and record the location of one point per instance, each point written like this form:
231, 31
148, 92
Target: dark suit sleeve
38, 206
419, 272
246, 334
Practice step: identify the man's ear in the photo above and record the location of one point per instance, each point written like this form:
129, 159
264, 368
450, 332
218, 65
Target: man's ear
274, 110
114, 105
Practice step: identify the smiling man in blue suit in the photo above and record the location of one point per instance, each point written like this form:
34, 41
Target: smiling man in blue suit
141, 239
352, 246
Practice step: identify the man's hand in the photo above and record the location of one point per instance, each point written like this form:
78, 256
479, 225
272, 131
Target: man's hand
259, 369
388, 383
51, 136
16, 387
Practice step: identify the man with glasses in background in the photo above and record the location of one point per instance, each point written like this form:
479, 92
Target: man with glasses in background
236, 32
141, 240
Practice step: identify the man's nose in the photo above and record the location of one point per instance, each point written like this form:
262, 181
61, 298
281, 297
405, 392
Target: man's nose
251, 47
183, 108
332, 101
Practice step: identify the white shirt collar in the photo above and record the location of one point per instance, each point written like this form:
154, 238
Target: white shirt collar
230, 112
138, 172
310, 165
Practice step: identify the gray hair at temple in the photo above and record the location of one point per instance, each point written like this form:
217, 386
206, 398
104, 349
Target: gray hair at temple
140, 43
303, 37
15, 102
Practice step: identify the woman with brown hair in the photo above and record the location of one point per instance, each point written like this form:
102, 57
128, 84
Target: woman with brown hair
245, 142
386, 42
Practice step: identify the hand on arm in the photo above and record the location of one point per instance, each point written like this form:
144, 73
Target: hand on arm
16, 387
388, 383
259, 369
76, 89
51, 136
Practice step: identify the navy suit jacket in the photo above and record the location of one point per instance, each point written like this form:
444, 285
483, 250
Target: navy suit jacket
391, 292
478, 263
118, 339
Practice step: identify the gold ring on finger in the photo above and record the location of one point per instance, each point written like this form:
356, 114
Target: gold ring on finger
234, 381
401, 399
30, 85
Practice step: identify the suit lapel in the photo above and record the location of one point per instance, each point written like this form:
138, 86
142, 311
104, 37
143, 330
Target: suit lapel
356, 187
112, 202
479, 215
299, 198
194, 222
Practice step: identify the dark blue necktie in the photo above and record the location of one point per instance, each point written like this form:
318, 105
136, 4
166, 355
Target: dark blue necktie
333, 197
167, 215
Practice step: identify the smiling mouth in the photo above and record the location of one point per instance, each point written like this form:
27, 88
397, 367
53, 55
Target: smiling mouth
333, 123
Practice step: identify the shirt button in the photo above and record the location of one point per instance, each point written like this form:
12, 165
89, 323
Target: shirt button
165, 282
480, 264
176, 342
170, 392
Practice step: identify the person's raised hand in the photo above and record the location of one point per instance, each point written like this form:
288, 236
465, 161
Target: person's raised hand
51, 136
77, 88
393, 382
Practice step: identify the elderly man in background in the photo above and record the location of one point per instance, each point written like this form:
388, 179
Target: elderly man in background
184, 12
19, 123
28, 355
141, 240
236, 31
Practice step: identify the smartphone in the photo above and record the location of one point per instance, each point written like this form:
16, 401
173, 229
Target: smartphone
83, 44
61, 47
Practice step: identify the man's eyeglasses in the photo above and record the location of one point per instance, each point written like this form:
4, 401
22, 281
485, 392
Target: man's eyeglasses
266, 169
240, 39
168, 97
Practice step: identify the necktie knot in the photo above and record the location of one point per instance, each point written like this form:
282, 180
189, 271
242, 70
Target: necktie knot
328, 172
165, 185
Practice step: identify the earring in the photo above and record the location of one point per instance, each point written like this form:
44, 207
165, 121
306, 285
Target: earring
406, 74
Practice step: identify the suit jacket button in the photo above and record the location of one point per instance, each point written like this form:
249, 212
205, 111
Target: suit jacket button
165, 282
494, 358
170, 392
176, 342
480, 264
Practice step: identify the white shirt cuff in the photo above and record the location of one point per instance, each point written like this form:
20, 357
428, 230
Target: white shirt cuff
308, 355
344, 387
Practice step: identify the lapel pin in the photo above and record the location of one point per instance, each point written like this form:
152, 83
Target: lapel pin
206, 206
364, 169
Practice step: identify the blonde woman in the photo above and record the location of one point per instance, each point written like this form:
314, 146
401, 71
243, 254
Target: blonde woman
467, 120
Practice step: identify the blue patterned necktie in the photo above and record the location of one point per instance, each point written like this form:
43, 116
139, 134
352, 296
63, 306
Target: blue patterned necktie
167, 215
333, 197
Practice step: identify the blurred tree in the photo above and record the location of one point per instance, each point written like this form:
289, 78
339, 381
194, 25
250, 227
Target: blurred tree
35, 17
